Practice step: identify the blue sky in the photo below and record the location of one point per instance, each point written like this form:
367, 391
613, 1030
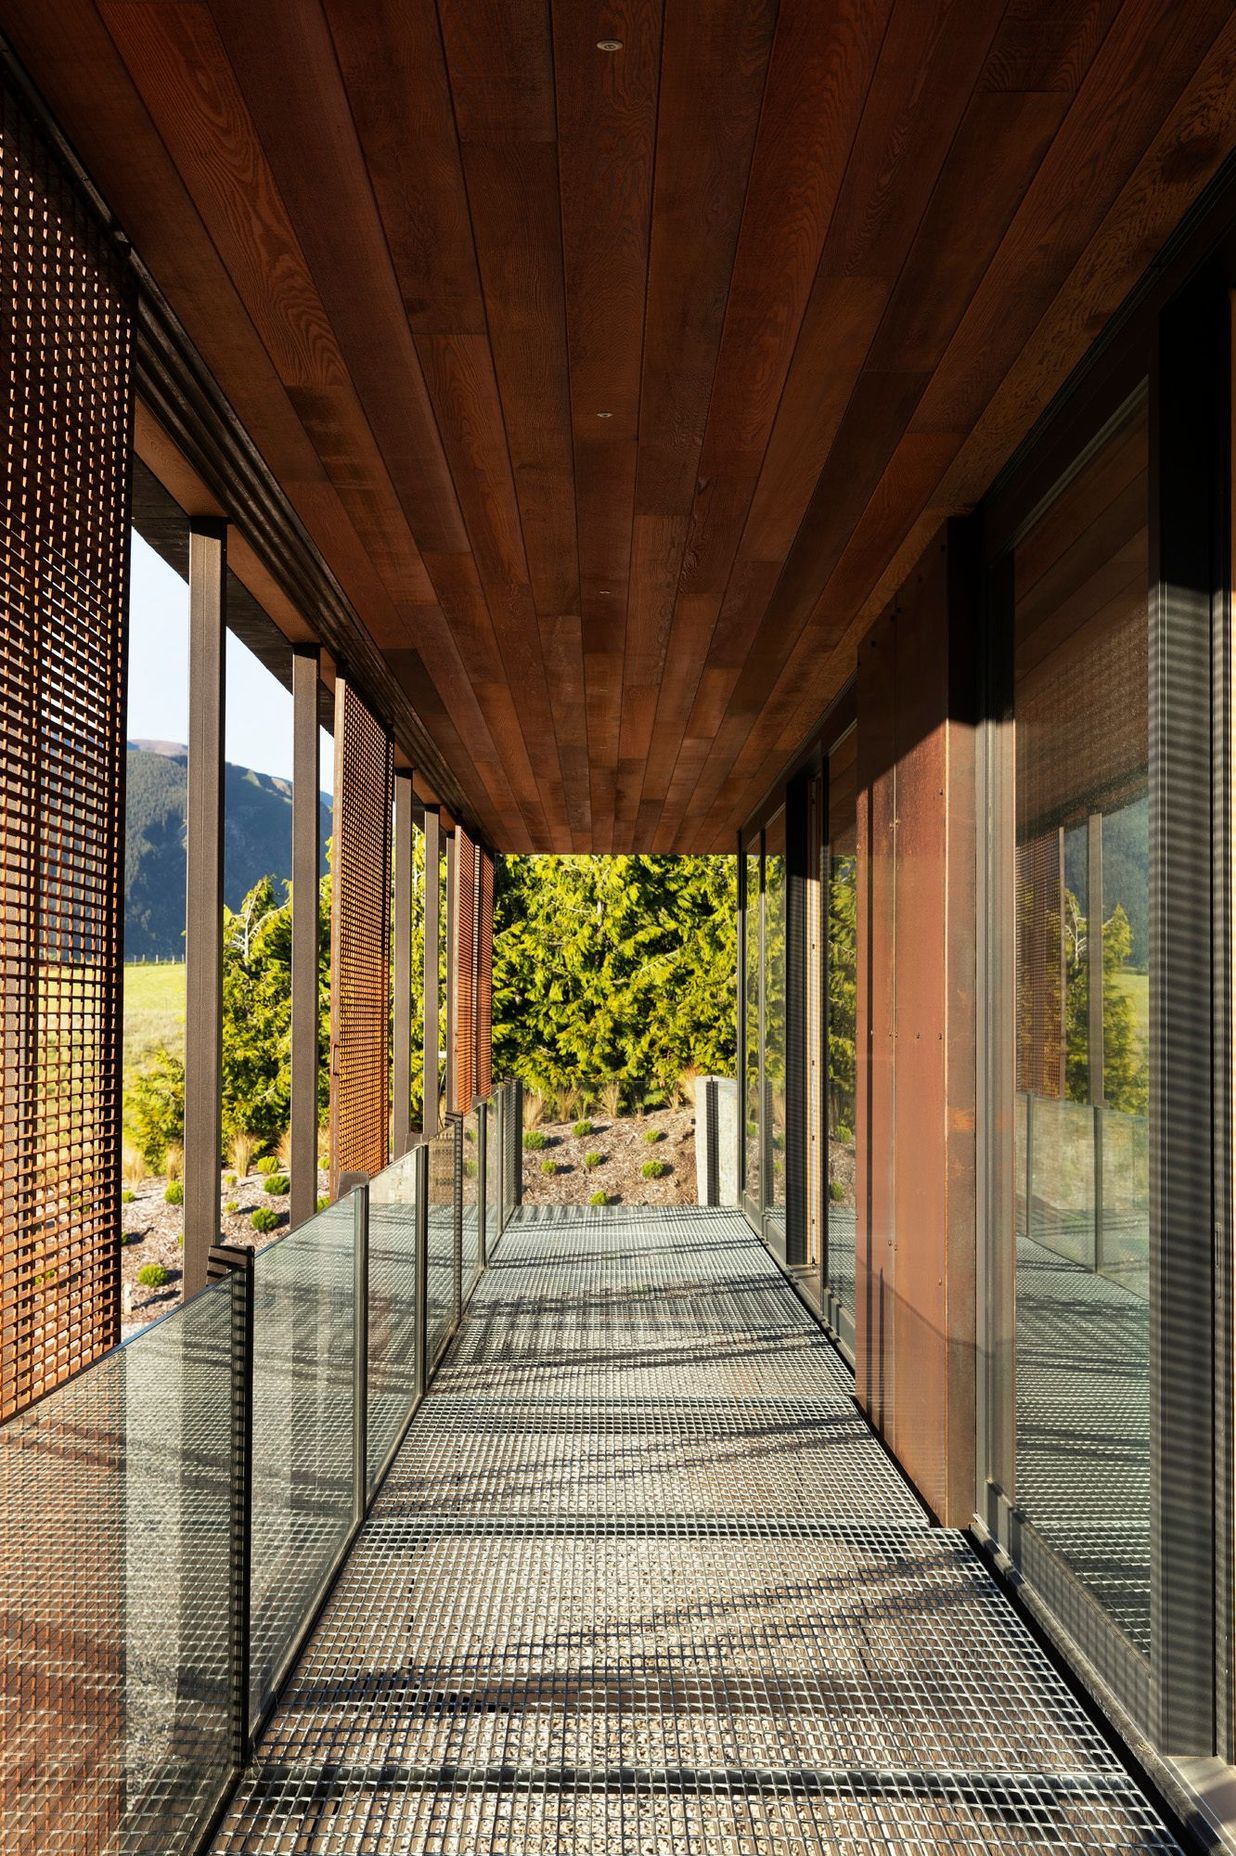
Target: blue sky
259, 710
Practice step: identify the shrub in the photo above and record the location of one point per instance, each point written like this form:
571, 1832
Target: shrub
655, 1169
231, 1208
593, 1159
535, 1139
132, 1165
284, 1151
265, 1218
152, 1276
154, 1106
469, 1167
323, 1201
611, 1098
277, 1184
534, 1108
240, 1153
174, 1160
836, 1191
127, 1197
131, 1237
267, 1165
844, 1135
653, 1135
549, 1167
174, 1192
581, 1130
599, 1198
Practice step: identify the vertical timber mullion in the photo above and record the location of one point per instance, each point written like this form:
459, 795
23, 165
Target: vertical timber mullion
204, 894
401, 1065
306, 806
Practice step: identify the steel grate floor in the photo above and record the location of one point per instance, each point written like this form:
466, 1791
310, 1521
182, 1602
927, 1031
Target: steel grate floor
642, 1580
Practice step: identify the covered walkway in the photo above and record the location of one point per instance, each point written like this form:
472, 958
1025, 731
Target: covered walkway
641, 1579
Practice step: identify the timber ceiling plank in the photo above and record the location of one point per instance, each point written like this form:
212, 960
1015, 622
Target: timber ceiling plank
607, 113
817, 81
824, 460
177, 59
500, 66
416, 168
713, 67
79, 69
1136, 73
1193, 139
285, 58
621, 387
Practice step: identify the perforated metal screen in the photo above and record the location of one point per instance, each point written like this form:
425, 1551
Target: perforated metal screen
65, 359
360, 940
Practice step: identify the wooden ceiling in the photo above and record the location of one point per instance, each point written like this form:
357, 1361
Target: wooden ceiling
619, 387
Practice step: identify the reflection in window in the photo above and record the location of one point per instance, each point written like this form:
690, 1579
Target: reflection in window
842, 902
751, 1086
1082, 1057
774, 1024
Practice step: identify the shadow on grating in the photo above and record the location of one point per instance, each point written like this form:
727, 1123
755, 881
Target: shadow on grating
642, 1580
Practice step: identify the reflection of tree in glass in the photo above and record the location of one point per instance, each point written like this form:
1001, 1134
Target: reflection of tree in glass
752, 1081
1126, 1070
774, 1020
842, 995
774, 972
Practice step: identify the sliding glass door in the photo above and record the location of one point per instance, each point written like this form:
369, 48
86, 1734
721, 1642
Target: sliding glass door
1083, 1055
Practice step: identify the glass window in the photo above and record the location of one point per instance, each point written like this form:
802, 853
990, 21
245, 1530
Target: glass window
751, 1083
842, 999
773, 1118
156, 782
1082, 1051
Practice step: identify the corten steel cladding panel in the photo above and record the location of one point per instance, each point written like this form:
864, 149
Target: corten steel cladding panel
65, 358
360, 940
463, 978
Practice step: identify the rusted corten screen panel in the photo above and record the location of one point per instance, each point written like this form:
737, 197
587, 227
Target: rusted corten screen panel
464, 977
65, 356
484, 972
360, 940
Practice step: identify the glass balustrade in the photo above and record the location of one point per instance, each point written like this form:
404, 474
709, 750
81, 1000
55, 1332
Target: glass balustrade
134, 1546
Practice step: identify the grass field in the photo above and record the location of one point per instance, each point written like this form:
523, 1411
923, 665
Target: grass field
154, 1008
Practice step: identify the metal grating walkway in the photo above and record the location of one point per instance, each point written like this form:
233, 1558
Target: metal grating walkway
642, 1580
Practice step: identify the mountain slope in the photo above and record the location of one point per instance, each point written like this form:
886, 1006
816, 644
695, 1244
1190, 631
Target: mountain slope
257, 842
